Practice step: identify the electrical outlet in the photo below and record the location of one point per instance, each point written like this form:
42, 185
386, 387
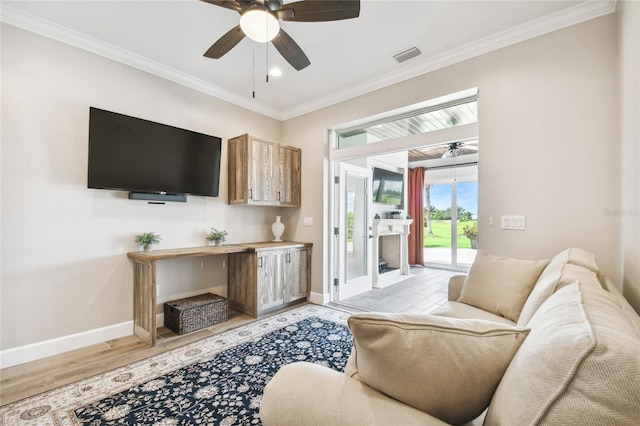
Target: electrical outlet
308, 221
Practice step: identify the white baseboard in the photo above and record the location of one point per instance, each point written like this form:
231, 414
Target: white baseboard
35, 351
319, 298
39, 350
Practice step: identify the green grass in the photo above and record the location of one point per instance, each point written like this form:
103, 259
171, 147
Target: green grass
441, 237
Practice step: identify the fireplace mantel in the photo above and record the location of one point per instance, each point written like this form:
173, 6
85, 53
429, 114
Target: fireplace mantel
391, 226
386, 228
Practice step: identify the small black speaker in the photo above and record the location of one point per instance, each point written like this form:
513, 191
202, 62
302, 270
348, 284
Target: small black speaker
151, 196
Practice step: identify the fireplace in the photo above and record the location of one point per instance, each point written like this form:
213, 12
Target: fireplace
390, 251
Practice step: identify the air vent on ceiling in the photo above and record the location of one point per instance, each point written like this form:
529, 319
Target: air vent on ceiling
407, 54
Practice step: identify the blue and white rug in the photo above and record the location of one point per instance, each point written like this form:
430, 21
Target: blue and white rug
218, 380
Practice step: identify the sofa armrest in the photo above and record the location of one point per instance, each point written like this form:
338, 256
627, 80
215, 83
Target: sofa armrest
455, 286
303, 393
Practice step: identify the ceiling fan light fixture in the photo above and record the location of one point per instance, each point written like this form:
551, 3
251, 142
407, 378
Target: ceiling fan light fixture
275, 72
259, 25
452, 151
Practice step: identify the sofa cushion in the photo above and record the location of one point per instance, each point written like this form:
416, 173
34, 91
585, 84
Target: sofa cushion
500, 285
551, 280
625, 307
464, 311
575, 256
446, 367
302, 393
581, 361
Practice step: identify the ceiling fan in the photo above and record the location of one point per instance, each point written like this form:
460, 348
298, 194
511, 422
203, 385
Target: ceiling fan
259, 21
455, 149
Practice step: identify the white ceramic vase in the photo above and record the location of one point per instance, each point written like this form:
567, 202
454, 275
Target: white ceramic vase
278, 229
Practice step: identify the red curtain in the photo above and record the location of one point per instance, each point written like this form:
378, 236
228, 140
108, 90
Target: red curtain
416, 211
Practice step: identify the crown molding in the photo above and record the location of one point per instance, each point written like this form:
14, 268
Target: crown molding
20, 19
556, 21
562, 19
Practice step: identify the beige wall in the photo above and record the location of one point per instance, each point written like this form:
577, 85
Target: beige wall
64, 264
552, 146
549, 142
629, 56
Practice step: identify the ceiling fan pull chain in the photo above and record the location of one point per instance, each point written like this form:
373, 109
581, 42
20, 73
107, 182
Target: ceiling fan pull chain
266, 28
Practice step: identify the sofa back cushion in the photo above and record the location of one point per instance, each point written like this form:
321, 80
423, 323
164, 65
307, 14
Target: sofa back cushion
575, 256
500, 285
580, 364
552, 279
446, 367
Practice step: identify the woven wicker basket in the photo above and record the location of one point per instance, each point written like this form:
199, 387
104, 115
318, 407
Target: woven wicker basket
193, 313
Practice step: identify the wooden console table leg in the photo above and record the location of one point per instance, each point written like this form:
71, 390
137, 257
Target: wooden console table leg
144, 301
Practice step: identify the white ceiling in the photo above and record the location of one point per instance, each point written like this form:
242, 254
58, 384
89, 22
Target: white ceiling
348, 58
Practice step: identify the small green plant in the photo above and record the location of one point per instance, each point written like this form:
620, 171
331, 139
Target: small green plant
147, 239
377, 216
216, 235
471, 232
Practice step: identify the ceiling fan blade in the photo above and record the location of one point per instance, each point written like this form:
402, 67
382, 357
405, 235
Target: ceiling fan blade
290, 50
227, 4
225, 43
319, 10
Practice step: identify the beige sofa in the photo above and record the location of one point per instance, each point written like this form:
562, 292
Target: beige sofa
518, 343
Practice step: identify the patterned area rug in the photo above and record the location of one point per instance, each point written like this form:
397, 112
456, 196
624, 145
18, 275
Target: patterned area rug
218, 380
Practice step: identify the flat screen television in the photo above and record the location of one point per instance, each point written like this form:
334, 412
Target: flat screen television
388, 187
140, 156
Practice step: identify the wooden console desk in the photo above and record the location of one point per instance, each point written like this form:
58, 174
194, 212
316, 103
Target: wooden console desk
144, 278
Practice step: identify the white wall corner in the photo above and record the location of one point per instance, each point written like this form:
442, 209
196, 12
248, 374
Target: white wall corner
319, 298
47, 348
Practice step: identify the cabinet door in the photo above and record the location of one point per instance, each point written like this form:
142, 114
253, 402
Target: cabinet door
262, 180
241, 279
298, 273
289, 163
270, 279
238, 169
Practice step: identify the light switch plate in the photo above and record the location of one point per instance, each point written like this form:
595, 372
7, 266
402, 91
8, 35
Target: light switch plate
513, 222
308, 221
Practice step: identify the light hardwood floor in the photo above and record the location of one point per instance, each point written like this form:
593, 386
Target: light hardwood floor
421, 293
39, 376
424, 291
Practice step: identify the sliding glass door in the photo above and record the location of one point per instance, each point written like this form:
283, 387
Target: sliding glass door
451, 215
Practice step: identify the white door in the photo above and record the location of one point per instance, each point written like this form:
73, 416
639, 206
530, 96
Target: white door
353, 272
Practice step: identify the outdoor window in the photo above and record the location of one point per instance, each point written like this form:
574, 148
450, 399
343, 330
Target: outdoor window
429, 119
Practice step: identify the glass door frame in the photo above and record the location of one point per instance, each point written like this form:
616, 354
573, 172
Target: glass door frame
453, 182
346, 287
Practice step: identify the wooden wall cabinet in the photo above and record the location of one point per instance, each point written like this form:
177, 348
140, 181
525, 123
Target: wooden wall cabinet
269, 278
289, 175
263, 172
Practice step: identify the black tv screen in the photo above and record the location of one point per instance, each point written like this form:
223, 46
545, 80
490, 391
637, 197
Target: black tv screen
136, 155
388, 187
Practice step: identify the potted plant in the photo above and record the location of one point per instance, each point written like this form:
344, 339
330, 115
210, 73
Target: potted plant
217, 237
395, 214
471, 232
147, 240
